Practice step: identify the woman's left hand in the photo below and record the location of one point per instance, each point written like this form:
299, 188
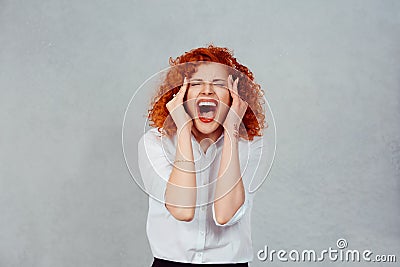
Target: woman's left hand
237, 110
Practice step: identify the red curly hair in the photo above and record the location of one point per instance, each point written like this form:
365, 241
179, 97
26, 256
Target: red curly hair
249, 91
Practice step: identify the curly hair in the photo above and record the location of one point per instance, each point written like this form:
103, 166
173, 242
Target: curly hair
249, 91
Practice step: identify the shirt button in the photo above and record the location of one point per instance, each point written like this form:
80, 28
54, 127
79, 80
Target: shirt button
203, 208
201, 232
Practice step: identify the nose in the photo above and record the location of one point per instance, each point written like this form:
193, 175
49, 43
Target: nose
207, 88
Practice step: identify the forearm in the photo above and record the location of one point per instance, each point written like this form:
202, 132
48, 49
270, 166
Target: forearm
180, 194
229, 178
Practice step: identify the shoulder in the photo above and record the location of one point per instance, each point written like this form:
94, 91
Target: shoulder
154, 137
256, 142
150, 137
151, 134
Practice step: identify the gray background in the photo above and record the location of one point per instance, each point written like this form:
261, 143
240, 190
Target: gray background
330, 70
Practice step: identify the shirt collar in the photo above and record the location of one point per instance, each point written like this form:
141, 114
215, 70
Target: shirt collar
220, 138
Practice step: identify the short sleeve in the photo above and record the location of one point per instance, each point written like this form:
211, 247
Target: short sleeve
248, 165
154, 165
236, 217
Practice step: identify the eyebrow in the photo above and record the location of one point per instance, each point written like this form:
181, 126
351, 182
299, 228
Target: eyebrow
215, 80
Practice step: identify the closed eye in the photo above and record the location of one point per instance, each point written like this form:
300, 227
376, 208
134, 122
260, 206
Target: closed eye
221, 84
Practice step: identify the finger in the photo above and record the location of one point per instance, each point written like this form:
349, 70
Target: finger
235, 85
183, 89
230, 83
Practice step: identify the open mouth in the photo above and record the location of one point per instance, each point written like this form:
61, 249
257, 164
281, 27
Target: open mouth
207, 109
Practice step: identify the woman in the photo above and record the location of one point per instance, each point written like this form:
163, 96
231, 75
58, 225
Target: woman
199, 159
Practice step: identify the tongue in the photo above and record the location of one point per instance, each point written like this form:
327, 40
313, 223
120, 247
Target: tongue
208, 115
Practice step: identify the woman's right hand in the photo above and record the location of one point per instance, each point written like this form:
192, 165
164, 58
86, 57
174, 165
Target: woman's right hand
177, 110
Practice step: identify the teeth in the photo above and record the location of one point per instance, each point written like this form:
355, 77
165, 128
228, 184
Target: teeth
204, 103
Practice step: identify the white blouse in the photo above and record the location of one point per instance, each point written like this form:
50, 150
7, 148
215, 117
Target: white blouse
202, 240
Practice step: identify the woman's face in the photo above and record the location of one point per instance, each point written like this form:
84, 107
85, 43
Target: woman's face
208, 97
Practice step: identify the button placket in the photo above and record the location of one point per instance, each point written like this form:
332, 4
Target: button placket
201, 216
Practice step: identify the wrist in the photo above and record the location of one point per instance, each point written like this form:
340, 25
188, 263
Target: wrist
232, 130
185, 130
231, 136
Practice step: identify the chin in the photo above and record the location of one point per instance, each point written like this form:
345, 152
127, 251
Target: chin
206, 128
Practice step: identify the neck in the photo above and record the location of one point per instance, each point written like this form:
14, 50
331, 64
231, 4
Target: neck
205, 140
